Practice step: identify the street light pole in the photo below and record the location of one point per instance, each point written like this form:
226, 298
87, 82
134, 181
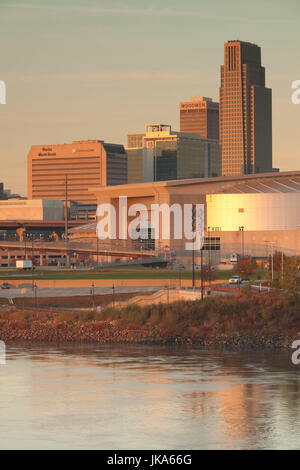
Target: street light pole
241, 229
272, 256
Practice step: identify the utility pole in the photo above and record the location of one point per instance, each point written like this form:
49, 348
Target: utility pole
97, 241
35, 295
93, 295
209, 257
193, 268
202, 277
193, 251
25, 247
66, 221
272, 261
32, 261
66, 209
154, 163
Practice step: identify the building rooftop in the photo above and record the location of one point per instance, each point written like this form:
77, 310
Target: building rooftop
281, 182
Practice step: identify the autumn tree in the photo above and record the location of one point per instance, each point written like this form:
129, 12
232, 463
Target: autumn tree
290, 281
245, 266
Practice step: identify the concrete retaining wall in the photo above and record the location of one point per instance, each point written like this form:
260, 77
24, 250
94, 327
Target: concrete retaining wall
163, 296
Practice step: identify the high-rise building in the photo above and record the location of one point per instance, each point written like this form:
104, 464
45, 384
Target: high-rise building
168, 155
200, 116
135, 140
86, 164
3, 194
245, 111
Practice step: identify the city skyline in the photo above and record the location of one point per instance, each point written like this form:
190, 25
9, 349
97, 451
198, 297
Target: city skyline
114, 76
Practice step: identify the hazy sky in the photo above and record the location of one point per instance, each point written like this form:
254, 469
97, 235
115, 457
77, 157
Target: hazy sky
88, 69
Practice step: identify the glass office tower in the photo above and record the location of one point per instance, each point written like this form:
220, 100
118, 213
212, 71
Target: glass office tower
168, 155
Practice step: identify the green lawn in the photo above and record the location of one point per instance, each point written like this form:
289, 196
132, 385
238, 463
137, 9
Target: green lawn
134, 272
108, 274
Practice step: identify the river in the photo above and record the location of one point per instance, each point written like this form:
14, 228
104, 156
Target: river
144, 397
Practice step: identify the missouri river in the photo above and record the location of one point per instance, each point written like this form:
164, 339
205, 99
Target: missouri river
143, 397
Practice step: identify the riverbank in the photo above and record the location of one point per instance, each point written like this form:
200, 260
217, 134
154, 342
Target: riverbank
269, 321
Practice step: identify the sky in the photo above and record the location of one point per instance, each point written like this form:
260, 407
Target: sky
99, 69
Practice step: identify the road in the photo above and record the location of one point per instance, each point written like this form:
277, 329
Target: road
120, 248
70, 291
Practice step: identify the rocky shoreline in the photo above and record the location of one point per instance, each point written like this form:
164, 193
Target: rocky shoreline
244, 322
105, 332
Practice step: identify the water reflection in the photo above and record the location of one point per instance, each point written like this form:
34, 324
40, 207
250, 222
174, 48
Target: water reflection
147, 397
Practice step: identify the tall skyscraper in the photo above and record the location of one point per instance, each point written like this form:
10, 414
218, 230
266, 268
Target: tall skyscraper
245, 111
200, 116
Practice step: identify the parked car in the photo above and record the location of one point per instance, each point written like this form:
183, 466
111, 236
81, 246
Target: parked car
5, 285
235, 280
176, 266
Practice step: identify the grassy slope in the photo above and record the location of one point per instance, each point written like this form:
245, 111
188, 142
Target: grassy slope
273, 315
